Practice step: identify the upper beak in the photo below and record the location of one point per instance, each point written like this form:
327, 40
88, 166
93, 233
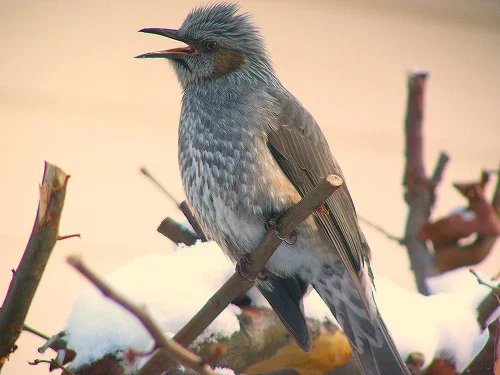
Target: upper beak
169, 53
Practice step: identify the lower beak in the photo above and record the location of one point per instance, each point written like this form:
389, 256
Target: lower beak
169, 53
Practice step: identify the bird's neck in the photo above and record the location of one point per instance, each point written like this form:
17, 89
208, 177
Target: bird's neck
229, 87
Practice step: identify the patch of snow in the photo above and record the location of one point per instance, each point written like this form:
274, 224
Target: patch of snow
172, 286
176, 285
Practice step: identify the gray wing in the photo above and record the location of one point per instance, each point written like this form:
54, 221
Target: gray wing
285, 294
301, 150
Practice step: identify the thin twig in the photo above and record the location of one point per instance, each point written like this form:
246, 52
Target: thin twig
173, 350
52, 342
34, 331
146, 173
381, 230
54, 363
32, 265
484, 282
183, 206
257, 259
188, 213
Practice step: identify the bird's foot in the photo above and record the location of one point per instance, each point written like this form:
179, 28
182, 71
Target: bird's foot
322, 210
242, 270
272, 226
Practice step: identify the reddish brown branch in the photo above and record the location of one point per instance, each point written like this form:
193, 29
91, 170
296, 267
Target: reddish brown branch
30, 270
455, 256
419, 190
236, 285
172, 349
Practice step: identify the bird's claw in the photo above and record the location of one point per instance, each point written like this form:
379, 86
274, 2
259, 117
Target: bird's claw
272, 226
242, 270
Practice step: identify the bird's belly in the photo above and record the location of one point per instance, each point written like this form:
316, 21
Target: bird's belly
234, 196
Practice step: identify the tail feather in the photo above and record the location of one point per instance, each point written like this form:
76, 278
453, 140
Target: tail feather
366, 331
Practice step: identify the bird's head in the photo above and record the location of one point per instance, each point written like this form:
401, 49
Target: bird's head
219, 43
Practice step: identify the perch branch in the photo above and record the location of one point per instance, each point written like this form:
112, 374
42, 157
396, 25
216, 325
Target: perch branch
419, 190
173, 350
236, 285
32, 265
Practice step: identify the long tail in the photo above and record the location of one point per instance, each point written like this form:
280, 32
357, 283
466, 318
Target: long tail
365, 330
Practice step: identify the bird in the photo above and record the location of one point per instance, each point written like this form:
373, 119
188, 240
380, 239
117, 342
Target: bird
247, 151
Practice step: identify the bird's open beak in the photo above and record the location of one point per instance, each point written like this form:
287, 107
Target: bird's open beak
169, 53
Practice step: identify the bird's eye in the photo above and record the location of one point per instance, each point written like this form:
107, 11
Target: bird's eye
211, 46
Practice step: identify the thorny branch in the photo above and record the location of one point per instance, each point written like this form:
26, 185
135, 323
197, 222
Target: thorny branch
236, 285
172, 349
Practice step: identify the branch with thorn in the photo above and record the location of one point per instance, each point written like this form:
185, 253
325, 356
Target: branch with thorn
237, 284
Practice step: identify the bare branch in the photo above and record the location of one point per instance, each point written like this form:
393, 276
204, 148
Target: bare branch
236, 285
419, 192
173, 350
381, 230
455, 256
30, 270
146, 173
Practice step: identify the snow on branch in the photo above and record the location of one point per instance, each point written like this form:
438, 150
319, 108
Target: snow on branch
26, 278
236, 285
172, 349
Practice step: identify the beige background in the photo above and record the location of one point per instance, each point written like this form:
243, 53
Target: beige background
71, 93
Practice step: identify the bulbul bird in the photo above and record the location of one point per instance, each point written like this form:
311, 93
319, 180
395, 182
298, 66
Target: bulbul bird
248, 151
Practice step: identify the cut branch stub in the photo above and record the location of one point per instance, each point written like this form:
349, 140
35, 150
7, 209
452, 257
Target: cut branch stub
176, 232
25, 280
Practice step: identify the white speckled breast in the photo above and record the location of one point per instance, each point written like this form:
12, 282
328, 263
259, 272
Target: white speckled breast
228, 173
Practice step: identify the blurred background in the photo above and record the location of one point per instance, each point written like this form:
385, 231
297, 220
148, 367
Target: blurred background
72, 93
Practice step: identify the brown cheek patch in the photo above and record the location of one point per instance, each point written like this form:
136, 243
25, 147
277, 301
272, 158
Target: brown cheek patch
227, 61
